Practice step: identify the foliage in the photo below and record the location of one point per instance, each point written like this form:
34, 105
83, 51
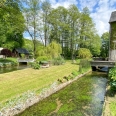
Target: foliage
6, 52
31, 12
35, 65
8, 62
112, 75
51, 51
42, 58
11, 24
75, 73
84, 53
58, 61
95, 45
113, 36
105, 44
84, 64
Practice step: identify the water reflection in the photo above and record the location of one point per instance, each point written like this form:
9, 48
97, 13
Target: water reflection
14, 68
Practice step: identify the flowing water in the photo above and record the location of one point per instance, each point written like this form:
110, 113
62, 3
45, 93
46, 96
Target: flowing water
84, 97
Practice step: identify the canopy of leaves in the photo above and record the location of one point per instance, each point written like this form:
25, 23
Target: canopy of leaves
11, 23
105, 44
84, 53
53, 50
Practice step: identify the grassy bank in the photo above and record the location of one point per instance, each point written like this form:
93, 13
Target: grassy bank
15, 83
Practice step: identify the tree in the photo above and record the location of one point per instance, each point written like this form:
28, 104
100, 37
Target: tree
32, 17
6, 52
95, 45
105, 44
84, 53
87, 28
12, 23
74, 27
46, 8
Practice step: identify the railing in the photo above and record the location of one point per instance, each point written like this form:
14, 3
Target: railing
103, 63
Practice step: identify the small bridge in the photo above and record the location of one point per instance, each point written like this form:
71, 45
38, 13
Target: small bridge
97, 64
23, 61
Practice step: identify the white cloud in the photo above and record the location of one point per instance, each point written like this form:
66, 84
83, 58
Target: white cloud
102, 15
64, 3
88, 3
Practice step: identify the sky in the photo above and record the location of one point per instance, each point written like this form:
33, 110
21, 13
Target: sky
100, 11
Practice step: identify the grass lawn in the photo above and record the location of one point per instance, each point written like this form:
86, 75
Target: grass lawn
17, 82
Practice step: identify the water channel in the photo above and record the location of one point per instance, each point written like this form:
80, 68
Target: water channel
84, 97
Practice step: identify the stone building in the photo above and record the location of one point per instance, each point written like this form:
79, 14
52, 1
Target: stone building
112, 43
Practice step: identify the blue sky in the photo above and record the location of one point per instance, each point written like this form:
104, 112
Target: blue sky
100, 10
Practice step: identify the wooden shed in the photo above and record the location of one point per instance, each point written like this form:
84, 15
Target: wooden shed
19, 51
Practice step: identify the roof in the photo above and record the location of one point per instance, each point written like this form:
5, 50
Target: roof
22, 50
113, 17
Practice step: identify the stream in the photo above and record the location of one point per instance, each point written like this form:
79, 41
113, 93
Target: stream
84, 97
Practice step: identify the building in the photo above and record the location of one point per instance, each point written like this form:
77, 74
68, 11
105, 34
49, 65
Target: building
112, 43
19, 51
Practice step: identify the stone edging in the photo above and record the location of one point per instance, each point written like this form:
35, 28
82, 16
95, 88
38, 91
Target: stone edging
35, 99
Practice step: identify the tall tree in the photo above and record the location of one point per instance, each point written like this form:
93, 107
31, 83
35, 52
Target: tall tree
46, 8
87, 28
74, 27
31, 12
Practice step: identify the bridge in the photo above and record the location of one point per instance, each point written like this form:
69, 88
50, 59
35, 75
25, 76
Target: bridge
97, 64
20, 60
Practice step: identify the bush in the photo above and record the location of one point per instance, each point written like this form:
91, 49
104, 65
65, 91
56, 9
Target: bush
35, 65
6, 52
84, 64
112, 75
84, 53
75, 73
58, 61
42, 58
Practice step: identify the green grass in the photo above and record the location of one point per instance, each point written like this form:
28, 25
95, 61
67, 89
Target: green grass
17, 82
113, 108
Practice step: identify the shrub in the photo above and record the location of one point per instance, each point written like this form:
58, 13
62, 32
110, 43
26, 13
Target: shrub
42, 58
6, 52
58, 61
84, 64
112, 75
75, 73
84, 53
35, 65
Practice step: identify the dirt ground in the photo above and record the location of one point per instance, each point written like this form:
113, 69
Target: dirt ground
110, 96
